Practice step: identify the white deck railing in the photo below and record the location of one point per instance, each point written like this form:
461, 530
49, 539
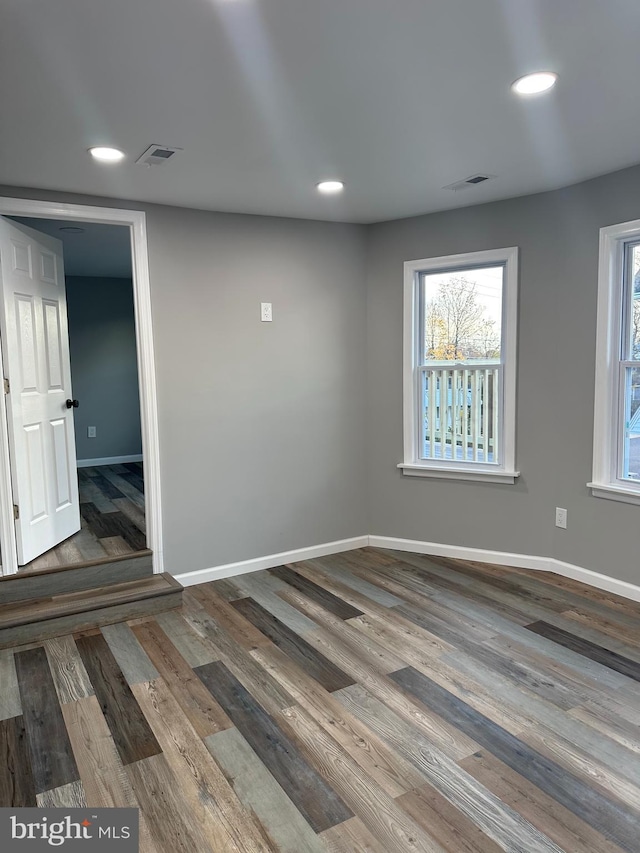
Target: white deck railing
460, 412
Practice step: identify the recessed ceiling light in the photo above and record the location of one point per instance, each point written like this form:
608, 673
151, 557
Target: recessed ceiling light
533, 84
71, 229
330, 187
106, 154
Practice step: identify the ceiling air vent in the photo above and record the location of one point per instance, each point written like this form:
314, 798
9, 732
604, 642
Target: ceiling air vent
471, 181
157, 155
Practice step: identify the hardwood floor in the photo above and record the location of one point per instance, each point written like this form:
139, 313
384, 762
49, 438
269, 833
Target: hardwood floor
368, 701
112, 517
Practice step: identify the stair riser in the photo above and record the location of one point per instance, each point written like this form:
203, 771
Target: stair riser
45, 629
22, 587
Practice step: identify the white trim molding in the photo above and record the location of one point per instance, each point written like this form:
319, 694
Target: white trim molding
608, 420
257, 564
503, 471
505, 558
416, 546
108, 460
135, 221
479, 476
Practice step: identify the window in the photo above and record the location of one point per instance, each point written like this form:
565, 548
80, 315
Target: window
460, 315
616, 444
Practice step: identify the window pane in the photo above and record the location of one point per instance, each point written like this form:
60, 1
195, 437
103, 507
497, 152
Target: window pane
460, 414
462, 314
635, 304
631, 449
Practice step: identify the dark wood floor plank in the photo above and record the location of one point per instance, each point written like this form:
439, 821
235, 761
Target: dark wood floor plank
17, 787
610, 659
129, 728
317, 802
135, 480
316, 593
608, 816
106, 486
108, 524
51, 754
322, 670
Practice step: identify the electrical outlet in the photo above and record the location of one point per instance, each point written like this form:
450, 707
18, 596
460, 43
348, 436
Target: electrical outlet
91, 432
266, 312
561, 517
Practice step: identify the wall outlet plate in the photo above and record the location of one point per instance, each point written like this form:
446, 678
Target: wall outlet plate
561, 517
91, 432
266, 312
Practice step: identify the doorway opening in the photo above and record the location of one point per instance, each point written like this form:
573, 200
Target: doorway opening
100, 427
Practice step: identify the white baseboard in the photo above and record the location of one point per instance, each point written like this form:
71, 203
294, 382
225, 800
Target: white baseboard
459, 552
504, 558
259, 563
108, 460
568, 570
436, 549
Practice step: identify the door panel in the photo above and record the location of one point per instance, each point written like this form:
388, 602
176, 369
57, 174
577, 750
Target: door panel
35, 346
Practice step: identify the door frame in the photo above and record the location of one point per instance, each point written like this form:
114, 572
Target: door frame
135, 220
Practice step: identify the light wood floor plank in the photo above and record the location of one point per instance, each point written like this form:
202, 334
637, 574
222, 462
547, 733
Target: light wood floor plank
497, 820
10, 705
131, 657
212, 804
69, 675
185, 639
71, 796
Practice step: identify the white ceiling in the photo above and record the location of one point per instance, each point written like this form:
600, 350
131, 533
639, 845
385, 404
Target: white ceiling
266, 97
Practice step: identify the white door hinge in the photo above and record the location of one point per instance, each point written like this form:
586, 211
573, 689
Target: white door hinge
6, 386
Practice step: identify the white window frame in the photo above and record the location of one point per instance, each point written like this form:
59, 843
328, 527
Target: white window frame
607, 428
413, 465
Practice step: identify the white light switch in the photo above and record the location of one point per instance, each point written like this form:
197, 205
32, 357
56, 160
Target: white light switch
91, 432
266, 312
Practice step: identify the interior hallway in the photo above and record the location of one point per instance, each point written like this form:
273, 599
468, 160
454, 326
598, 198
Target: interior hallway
112, 511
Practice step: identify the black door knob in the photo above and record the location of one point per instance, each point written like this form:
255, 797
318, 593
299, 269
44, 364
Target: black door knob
72, 404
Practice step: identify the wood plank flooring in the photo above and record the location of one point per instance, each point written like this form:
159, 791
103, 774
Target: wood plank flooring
368, 701
111, 514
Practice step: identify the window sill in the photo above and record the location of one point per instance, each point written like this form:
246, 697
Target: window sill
499, 476
615, 493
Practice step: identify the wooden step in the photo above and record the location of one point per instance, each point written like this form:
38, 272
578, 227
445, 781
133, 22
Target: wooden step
45, 583
38, 619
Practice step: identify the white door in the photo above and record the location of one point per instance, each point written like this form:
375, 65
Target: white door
35, 349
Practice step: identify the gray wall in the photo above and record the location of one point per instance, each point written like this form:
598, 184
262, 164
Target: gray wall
261, 425
558, 238
104, 371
